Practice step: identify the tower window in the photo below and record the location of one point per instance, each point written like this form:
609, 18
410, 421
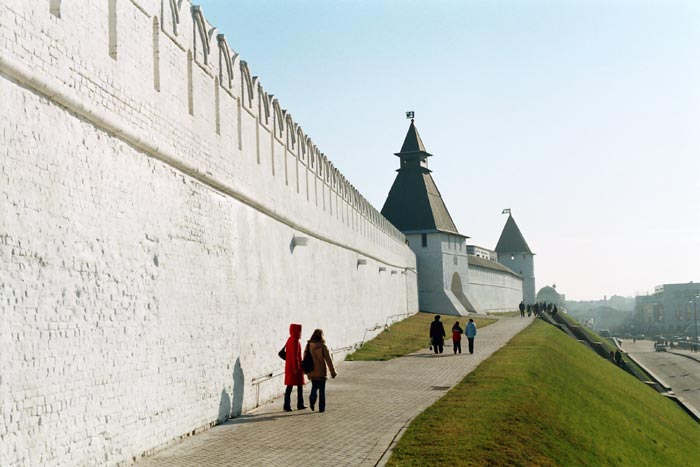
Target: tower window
423, 240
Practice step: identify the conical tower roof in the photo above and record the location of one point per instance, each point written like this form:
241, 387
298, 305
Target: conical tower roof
512, 240
412, 142
414, 202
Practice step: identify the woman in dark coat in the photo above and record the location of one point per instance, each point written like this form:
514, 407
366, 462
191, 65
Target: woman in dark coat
322, 363
437, 335
293, 375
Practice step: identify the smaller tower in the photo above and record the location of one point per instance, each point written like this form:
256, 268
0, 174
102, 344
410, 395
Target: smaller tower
514, 253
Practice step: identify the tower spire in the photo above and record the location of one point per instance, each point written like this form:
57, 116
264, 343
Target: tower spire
512, 240
413, 153
414, 202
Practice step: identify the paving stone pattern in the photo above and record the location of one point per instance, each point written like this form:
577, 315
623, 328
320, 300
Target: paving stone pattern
367, 406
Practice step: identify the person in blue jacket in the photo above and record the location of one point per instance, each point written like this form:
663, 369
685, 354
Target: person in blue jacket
471, 334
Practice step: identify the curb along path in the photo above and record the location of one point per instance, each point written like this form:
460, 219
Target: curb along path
367, 406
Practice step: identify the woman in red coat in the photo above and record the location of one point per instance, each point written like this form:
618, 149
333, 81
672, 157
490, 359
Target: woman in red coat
293, 374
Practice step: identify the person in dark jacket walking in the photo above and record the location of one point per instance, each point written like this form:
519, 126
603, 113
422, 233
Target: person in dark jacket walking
457, 338
471, 334
618, 358
437, 334
521, 307
293, 374
318, 376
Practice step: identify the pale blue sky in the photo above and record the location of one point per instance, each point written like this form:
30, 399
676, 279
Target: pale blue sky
582, 116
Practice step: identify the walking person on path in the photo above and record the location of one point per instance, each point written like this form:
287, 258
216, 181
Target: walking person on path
437, 334
618, 358
521, 307
457, 338
293, 375
318, 376
471, 334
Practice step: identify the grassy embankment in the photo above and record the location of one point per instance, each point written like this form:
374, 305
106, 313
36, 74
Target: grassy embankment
546, 400
607, 343
408, 336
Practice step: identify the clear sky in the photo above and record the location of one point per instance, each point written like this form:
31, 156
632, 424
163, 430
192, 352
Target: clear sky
582, 116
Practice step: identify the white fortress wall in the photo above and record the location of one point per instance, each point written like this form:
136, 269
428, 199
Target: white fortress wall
522, 264
438, 262
494, 291
162, 221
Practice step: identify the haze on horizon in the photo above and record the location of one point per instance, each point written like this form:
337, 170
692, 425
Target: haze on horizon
582, 117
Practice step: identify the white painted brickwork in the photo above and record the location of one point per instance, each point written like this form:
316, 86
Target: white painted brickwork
445, 255
147, 267
494, 291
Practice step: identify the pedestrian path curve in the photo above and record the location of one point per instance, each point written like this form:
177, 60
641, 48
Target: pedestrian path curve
367, 407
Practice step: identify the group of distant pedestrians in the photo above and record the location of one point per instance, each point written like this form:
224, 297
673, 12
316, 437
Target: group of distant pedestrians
315, 363
437, 336
616, 357
537, 309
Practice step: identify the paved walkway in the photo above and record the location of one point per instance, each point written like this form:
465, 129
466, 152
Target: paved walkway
367, 406
677, 369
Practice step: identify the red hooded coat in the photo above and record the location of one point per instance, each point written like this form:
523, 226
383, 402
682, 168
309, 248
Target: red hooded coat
293, 374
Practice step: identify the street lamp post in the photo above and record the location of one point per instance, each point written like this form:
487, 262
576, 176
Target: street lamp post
695, 313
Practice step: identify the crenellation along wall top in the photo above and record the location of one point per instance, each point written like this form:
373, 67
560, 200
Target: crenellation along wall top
187, 27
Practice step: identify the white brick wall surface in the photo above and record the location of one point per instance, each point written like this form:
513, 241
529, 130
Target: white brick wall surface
148, 206
495, 291
445, 255
524, 265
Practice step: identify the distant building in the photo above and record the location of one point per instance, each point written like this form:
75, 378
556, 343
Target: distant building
482, 252
669, 309
550, 295
453, 278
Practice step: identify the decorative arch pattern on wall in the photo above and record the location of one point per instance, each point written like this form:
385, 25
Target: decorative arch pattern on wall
278, 118
246, 85
264, 105
311, 151
170, 16
302, 143
225, 63
291, 131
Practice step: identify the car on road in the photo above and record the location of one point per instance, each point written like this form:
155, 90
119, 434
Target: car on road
659, 347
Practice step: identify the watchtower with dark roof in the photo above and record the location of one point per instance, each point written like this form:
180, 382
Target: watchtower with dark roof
514, 252
414, 205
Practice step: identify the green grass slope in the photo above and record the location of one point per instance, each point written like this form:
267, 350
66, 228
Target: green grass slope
546, 400
407, 336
